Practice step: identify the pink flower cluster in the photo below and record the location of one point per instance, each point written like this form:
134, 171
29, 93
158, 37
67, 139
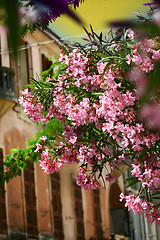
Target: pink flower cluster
86, 181
144, 55
97, 115
31, 107
143, 58
150, 112
112, 112
48, 161
138, 205
150, 176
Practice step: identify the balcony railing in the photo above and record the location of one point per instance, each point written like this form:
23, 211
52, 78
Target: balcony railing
7, 94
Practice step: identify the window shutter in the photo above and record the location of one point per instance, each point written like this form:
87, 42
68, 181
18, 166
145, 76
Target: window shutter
57, 208
30, 199
25, 65
3, 220
79, 212
97, 211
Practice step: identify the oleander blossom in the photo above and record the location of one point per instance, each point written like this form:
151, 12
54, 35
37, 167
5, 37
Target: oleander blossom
31, 107
148, 175
99, 105
140, 206
143, 58
49, 163
86, 181
151, 114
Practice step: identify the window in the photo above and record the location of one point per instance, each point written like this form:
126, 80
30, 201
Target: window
46, 63
30, 200
79, 212
3, 220
57, 208
97, 212
118, 213
25, 66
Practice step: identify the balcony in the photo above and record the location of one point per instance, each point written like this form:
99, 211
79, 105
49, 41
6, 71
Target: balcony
8, 97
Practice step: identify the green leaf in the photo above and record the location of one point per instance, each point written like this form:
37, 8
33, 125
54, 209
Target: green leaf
156, 197
156, 193
130, 184
132, 179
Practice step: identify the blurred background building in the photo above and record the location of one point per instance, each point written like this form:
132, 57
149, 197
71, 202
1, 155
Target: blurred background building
40, 206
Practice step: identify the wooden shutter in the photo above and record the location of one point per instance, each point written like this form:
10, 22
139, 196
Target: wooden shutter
57, 208
29, 60
30, 199
3, 220
79, 212
97, 211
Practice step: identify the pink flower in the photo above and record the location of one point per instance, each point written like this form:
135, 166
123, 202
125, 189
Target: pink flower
129, 59
136, 170
156, 55
156, 182
39, 147
118, 48
151, 115
32, 107
147, 65
48, 163
131, 33
140, 80
122, 197
85, 181
137, 59
43, 138
101, 67
109, 177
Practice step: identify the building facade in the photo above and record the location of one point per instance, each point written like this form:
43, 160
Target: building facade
36, 205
